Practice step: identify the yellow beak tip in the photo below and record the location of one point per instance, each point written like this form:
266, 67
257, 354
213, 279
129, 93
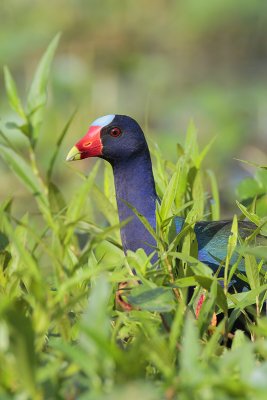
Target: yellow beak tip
73, 154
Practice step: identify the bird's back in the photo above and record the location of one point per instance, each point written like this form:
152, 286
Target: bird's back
212, 240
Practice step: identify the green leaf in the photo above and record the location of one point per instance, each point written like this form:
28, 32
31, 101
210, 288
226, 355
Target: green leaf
76, 205
56, 199
176, 184
204, 152
109, 187
251, 216
245, 299
7, 142
196, 266
231, 245
215, 201
143, 220
110, 233
185, 282
38, 90
261, 178
258, 251
249, 188
252, 164
12, 94
58, 144
139, 261
239, 339
252, 271
26, 259
208, 308
152, 299
169, 196
105, 206
108, 255
191, 146
198, 196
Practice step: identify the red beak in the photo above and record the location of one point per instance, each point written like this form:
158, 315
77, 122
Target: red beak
89, 146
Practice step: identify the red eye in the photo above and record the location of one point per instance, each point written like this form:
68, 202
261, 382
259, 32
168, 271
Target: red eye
115, 132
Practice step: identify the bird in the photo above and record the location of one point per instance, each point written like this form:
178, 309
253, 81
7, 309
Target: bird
120, 140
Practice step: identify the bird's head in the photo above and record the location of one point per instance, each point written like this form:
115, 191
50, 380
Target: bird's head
112, 137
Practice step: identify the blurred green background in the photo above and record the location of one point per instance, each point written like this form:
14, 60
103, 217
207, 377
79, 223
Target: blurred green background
162, 62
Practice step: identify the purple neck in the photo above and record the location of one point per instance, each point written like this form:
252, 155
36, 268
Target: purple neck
134, 183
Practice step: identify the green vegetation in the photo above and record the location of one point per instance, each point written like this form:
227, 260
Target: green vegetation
61, 335
162, 64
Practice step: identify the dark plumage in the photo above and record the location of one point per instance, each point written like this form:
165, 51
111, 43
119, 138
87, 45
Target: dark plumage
120, 140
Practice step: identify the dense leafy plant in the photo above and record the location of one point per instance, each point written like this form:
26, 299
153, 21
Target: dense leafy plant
61, 334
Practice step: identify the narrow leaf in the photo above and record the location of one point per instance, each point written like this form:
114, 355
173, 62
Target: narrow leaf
143, 220
58, 144
252, 271
204, 152
231, 245
251, 216
105, 206
252, 164
215, 201
76, 206
38, 90
12, 93
191, 146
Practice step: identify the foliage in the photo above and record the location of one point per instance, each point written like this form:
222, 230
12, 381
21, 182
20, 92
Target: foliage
61, 334
204, 60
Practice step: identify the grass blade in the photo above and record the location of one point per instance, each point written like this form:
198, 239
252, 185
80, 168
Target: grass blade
232, 242
215, 201
58, 144
251, 216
